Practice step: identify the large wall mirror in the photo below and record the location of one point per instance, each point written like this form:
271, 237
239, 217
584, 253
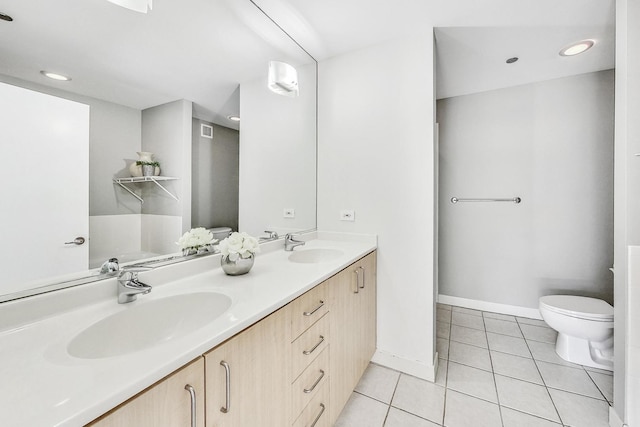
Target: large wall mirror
171, 82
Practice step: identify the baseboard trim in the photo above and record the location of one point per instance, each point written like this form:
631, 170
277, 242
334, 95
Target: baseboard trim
514, 310
410, 367
614, 419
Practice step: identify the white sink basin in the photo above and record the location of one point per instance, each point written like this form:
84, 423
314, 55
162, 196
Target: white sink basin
148, 324
314, 256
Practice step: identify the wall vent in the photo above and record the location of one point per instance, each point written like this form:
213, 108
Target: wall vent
206, 131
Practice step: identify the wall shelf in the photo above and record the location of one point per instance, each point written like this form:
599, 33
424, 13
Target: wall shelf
134, 179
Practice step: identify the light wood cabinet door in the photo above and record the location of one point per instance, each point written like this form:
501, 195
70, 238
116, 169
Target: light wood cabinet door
353, 328
167, 403
248, 376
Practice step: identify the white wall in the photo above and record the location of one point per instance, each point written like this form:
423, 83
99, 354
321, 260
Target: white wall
550, 143
627, 211
277, 156
166, 132
375, 156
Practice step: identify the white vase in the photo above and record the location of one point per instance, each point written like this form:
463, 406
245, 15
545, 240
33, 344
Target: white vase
143, 156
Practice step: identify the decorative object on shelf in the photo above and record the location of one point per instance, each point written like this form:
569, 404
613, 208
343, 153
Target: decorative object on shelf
197, 241
148, 168
238, 253
144, 158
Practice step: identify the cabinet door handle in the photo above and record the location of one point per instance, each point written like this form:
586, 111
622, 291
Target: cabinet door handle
308, 352
227, 370
310, 313
313, 424
315, 384
192, 394
364, 276
357, 271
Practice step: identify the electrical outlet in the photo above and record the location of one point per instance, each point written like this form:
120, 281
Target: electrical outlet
347, 215
289, 213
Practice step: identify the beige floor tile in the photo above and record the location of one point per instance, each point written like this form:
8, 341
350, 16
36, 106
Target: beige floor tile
464, 310
525, 397
419, 397
507, 344
471, 381
539, 333
509, 365
580, 411
604, 383
467, 320
469, 355
378, 383
575, 380
469, 336
398, 418
362, 411
467, 411
506, 317
511, 418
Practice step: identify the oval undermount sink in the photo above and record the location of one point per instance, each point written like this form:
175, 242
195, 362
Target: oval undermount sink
313, 256
148, 324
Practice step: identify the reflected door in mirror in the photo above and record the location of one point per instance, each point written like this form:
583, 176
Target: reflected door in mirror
45, 152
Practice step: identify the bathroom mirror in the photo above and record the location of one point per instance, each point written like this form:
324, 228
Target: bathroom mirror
165, 82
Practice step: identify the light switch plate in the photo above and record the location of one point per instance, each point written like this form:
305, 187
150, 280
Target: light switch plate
347, 215
289, 213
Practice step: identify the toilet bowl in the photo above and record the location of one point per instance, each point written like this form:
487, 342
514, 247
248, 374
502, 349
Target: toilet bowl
584, 326
220, 233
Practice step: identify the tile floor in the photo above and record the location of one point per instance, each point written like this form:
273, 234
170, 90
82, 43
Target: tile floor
494, 371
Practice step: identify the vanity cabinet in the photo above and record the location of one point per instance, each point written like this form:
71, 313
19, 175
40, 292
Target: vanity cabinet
296, 367
353, 326
247, 376
168, 403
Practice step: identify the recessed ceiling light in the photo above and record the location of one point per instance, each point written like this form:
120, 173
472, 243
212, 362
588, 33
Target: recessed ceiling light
512, 60
233, 118
55, 76
577, 48
5, 17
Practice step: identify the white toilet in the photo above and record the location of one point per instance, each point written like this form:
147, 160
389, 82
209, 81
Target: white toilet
220, 233
585, 329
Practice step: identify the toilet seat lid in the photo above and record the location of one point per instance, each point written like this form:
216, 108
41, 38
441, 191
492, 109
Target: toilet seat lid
580, 307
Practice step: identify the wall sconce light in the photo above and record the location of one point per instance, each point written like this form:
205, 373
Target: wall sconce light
142, 6
283, 79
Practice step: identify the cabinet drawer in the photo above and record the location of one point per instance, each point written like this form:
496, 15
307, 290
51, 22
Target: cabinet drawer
309, 345
307, 309
316, 414
309, 383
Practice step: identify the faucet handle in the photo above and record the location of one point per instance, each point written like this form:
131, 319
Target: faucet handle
134, 270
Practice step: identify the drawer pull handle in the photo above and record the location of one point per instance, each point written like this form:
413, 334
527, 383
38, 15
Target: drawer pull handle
310, 313
357, 271
308, 352
227, 370
315, 384
192, 394
313, 424
364, 276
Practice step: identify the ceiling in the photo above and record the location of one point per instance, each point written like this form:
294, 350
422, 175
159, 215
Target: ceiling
473, 38
201, 50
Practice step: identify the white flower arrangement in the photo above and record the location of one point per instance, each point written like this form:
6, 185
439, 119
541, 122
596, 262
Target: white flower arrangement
197, 239
240, 245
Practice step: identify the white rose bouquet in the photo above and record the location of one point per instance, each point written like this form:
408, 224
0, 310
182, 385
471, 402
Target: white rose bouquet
196, 240
239, 245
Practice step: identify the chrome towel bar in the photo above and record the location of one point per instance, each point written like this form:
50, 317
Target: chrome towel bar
515, 200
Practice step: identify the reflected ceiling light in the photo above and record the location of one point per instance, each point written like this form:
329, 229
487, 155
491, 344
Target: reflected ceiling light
5, 17
55, 76
577, 48
142, 6
283, 79
512, 60
233, 118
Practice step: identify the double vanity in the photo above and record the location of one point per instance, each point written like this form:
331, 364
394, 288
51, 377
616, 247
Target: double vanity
281, 346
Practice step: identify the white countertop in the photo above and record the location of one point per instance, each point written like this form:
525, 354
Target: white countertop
42, 385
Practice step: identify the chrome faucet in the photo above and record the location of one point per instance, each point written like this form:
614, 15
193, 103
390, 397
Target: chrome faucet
110, 267
272, 235
129, 286
290, 242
